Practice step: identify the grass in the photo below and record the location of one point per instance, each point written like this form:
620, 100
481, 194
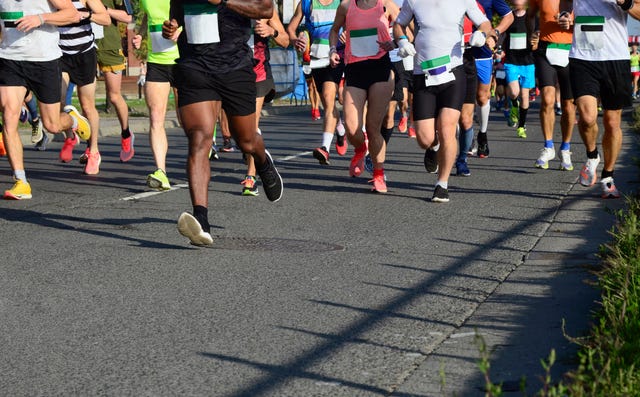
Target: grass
137, 107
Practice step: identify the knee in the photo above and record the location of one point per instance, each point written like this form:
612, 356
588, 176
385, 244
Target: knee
588, 120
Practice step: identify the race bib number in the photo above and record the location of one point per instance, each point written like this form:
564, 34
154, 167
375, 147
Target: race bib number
558, 54
158, 43
501, 74
437, 71
518, 41
320, 48
201, 23
364, 42
12, 37
589, 33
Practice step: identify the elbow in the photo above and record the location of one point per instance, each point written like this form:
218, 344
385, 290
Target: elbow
266, 9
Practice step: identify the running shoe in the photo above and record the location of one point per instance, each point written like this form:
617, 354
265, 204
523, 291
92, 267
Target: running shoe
357, 162
440, 195
522, 132
431, 161
83, 129
189, 227
227, 146
24, 115
483, 149
368, 164
341, 145
379, 184
412, 132
249, 186
474, 148
42, 144
213, 153
588, 176
402, 125
322, 155
315, 114
558, 110
565, 163
609, 190
3, 150
514, 115
84, 157
158, 180
92, 166
462, 169
126, 148
20, 191
66, 153
271, 180
340, 127
36, 131
546, 154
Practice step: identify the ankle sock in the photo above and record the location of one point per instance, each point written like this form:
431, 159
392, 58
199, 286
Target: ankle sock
20, 175
606, 174
548, 144
202, 215
443, 184
125, 133
592, 155
522, 120
565, 146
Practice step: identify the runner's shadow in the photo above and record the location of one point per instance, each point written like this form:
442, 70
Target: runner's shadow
61, 222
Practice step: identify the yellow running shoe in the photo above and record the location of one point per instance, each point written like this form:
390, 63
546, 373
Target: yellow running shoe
19, 191
158, 180
83, 129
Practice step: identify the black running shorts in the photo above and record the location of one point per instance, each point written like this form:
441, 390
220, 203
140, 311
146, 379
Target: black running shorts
471, 76
160, 73
42, 78
364, 74
399, 78
266, 89
608, 80
328, 74
236, 90
549, 75
428, 101
81, 67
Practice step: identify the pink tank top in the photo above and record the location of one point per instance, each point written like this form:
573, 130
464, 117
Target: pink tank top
364, 29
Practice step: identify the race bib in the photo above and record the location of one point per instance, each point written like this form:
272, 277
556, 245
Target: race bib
518, 41
589, 33
319, 48
635, 69
201, 23
319, 63
364, 42
437, 71
158, 43
558, 54
98, 31
12, 36
501, 74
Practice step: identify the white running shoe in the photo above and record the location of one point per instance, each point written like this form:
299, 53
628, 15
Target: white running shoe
588, 176
565, 163
547, 154
609, 189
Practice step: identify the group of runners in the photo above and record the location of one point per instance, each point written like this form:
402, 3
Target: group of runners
432, 59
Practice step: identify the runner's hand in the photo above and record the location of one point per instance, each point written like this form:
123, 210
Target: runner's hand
334, 59
300, 43
406, 49
136, 42
535, 40
30, 22
478, 39
263, 30
169, 29
343, 37
564, 20
387, 45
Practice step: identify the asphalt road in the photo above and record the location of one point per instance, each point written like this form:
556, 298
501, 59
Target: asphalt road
333, 291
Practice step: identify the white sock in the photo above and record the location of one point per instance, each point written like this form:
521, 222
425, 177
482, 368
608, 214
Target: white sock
443, 184
327, 138
340, 128
20, 175
436, 147
485, 111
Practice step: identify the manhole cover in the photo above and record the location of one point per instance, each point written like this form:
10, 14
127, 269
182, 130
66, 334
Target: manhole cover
273, 244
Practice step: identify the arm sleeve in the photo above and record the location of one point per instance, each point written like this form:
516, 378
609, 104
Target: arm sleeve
475, 14
406, 13
501, 7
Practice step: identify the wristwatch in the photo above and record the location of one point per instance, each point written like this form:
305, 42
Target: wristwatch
275, 33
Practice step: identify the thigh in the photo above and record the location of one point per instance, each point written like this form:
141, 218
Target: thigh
113, 82
354, 101
424, 100
199, 118
156, 95
451, 96
585, 78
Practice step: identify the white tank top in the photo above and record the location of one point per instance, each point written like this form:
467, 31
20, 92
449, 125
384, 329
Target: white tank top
39, 45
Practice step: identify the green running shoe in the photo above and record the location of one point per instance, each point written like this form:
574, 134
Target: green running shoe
514, 115
158, 180
522, 132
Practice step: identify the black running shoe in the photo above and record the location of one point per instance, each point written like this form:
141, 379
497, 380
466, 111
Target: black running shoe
483, 149
271, 180
440, 195
431, 161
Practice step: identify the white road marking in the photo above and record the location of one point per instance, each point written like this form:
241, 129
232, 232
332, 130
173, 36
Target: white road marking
463, 335
295, 156
143, 195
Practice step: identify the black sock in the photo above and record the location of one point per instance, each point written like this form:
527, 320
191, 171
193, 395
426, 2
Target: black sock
515, 103
606, 174
263, 167
125, 133
386, 133
592, 155
482, 137
522, 121
202, 215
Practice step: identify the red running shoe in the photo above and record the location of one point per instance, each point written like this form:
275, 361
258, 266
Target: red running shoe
322, 155
66, 153
402, 125
357, 161
412, 132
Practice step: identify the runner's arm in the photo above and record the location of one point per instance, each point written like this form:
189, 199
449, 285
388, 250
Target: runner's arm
65, 15
506, 15
294, 23
254, 9
98, 13
282, 38
338, 23
403, 21
120, 15
634, 11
